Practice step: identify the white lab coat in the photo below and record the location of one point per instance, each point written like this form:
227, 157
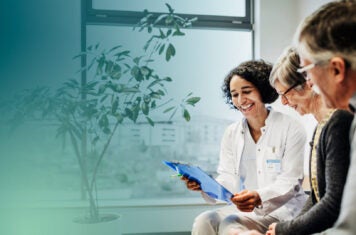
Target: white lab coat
279, 159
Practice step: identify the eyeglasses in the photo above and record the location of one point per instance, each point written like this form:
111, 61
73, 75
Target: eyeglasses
284, 94
303, 70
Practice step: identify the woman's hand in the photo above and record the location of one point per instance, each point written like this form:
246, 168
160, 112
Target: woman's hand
246, 200
191, 184
271, 229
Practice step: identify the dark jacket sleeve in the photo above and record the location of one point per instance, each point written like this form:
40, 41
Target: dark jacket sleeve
333, 153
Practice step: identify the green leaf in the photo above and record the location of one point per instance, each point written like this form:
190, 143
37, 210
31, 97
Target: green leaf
79, 55
169, 31
186, 115
145, 70
161, 49
153, 104
145, 108
122, 53
170, 9
104, 121
169, 20
116, 72
119, 117
99, 68
155, 82
102, 99
135, 112
168, 79
136, 60
128, 113
160, 92
160, 17
162, 35
115, 105
178, 33
169, 109
136, 73
193, 100
171, 51
114, 48
107, 130
150, 121
108, 67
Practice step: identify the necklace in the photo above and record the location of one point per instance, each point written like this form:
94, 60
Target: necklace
313, 162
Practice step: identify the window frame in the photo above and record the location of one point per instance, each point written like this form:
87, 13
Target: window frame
116, 17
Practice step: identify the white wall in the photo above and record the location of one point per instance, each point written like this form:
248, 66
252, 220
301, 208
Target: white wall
276, 22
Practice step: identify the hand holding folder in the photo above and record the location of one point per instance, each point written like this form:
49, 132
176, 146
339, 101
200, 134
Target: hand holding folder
209, 185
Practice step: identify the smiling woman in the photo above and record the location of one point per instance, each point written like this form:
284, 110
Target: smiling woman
261, 158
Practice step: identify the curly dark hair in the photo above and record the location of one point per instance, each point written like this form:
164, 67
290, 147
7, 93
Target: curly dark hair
257, 72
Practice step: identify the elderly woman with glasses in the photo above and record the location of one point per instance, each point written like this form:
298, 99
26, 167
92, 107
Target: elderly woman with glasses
330, 149
261, 158
327, 39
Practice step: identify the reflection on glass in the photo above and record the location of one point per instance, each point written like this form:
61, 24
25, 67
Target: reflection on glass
133, 163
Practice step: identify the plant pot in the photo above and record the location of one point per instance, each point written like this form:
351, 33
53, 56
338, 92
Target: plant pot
109, 224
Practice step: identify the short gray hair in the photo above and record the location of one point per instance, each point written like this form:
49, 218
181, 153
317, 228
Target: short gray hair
285, 69
330, 31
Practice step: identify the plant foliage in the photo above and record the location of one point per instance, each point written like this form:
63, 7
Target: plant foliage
122, 88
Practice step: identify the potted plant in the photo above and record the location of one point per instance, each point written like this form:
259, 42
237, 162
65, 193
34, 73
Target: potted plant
123, 88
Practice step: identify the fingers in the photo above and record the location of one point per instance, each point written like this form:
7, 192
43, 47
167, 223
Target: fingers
246, 200
192, 185
248, 208
243, 196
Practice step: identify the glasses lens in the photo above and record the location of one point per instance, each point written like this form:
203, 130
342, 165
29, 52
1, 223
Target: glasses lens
304, 74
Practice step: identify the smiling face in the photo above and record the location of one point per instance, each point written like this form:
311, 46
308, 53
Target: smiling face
299, 100
246, 97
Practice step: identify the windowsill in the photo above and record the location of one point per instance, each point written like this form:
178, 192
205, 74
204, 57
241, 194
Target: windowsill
128, 203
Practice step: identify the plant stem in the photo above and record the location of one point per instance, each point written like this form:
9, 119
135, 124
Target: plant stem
94, 214
102, 155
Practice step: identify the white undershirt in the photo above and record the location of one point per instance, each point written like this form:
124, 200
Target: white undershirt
248, 169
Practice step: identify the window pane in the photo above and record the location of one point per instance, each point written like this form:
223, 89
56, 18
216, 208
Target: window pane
203, 58
202, 7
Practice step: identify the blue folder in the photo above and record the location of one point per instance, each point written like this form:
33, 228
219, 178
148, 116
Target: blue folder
208, 184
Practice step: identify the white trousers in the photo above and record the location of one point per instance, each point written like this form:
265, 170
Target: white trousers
223, 220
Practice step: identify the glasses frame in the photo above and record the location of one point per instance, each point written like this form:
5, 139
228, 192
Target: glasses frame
284, 94
306, 68
303, 70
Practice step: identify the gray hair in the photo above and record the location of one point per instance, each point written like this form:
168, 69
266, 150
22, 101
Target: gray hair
285, 69
329, 32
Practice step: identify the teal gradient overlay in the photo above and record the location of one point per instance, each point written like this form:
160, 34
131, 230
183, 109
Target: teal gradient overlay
39, 175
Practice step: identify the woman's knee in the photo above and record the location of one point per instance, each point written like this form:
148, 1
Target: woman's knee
208, 217
231, 223
206, 223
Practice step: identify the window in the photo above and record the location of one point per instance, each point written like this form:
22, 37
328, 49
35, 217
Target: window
203, 58
220, 39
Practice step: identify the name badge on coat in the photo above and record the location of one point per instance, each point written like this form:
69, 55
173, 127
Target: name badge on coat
273, 165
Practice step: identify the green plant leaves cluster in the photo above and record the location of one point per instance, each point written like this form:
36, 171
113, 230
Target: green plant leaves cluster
169, 25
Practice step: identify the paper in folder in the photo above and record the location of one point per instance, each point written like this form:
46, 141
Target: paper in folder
208, 184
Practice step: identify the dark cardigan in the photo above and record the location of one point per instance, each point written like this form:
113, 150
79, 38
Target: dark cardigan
333, 159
